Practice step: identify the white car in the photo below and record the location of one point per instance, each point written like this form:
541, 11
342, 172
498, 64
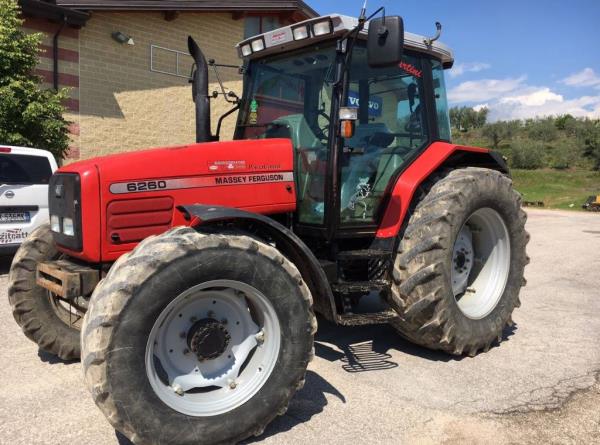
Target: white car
24, 176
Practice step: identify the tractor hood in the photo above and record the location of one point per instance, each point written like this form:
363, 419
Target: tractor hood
211, 158
128, 196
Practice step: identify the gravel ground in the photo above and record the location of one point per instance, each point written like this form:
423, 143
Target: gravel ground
366, 385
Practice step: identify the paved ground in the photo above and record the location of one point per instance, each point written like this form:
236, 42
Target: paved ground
542, 385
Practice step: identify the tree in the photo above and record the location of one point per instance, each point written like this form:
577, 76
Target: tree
500, 131
467, 118
29, 116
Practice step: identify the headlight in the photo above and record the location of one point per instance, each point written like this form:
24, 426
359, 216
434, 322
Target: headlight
68, 228
322, 28
300, 33
258, 45
246, 50
55, 223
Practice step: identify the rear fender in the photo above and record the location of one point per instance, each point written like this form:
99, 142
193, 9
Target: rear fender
437, 156
287, 242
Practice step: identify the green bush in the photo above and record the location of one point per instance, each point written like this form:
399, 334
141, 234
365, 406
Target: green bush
527, 155
543, 129
562, 142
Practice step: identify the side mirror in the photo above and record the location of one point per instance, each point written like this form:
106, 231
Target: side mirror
386, 41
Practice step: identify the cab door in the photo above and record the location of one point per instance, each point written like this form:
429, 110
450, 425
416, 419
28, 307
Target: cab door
392, 127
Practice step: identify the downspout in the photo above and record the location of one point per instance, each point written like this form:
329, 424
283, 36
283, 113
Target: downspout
55, 52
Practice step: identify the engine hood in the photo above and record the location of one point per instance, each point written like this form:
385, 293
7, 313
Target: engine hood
129, 196
211, 158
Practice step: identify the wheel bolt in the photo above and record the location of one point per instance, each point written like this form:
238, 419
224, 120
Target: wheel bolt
182, 335
186, 351
210, 314
232, 385
193, 319
260, 337
224, 321
178, 389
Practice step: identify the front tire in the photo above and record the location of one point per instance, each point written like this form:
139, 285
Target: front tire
44, 319
459, 267
165, 329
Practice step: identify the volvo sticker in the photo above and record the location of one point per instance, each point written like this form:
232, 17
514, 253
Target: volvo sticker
197, 182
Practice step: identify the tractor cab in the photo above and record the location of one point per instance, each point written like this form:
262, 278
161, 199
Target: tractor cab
354, 118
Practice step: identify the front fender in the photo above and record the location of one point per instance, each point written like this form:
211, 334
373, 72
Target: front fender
286, 241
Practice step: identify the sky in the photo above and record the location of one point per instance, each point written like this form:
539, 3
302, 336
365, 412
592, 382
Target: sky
520, 59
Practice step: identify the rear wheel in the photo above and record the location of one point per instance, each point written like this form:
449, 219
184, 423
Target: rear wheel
46, 319
459, 267
196, 338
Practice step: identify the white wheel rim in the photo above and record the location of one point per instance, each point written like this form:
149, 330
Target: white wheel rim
480, 263
213, 386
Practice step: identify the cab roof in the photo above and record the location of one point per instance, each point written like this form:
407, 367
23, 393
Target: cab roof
282, 39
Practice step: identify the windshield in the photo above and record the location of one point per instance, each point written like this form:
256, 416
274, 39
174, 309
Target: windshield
289, 96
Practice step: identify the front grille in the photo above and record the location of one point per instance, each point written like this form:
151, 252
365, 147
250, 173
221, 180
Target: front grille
132, 220
64, 201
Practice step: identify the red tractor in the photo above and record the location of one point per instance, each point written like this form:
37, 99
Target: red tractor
199, 267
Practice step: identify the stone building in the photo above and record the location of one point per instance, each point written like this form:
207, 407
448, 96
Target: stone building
127, 67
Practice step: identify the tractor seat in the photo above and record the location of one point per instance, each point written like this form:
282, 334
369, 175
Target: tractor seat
371, 134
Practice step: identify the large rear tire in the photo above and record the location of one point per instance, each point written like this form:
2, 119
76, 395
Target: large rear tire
195, 338
48, 321
460, 264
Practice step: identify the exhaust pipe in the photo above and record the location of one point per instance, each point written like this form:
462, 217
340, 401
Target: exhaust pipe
199, 82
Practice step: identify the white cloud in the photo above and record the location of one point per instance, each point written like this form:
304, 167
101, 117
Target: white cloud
533, 99
484, 89
512, 98
544, 103
584, 78
471, 67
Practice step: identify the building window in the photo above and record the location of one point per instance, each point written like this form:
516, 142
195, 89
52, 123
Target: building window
255, 24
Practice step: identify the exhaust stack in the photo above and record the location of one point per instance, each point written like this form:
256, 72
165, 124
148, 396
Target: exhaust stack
199, 82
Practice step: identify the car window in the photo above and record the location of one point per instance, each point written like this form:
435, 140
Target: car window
24, 169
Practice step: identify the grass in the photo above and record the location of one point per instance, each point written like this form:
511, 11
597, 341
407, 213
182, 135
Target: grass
558, 189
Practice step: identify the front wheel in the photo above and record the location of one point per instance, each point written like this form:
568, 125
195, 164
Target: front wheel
45, 318
459, 267
196, 338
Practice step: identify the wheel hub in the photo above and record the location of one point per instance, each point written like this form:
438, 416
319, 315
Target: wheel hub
204, 367
462, 260
480, 263
208, 339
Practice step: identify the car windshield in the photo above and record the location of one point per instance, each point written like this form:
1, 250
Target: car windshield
24, 169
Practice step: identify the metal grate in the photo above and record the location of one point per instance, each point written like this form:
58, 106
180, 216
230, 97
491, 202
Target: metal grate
170, 61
